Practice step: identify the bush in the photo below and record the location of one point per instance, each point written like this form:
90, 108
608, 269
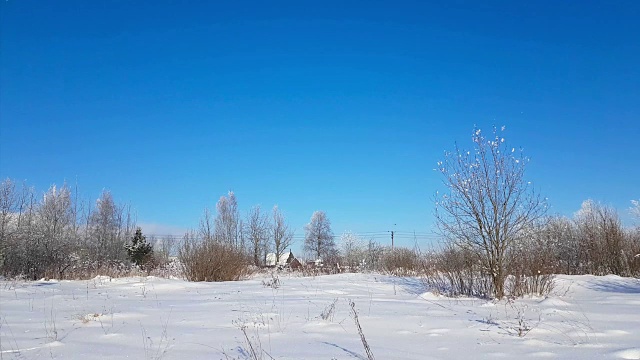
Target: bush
457, 272
531, 267
212, 261
401, 262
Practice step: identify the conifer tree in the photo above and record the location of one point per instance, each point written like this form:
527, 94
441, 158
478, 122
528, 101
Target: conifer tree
139, 250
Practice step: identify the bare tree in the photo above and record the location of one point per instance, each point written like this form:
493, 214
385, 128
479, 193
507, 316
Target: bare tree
164, 248
561, 238
635, 235
206, 230
489, 204
602, 239
319, 240
257, 231
227, 221
281, 235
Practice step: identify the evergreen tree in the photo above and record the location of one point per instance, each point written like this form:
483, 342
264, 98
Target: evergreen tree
139, 250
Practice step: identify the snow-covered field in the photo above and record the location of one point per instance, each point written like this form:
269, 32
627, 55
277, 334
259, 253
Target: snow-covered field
586, 317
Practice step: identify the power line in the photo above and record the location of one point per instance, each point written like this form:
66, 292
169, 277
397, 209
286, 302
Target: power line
397, 235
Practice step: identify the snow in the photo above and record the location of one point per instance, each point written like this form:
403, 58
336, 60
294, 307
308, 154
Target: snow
585, 317
282, 261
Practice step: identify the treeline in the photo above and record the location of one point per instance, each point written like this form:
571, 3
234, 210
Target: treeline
55, 235
593, 242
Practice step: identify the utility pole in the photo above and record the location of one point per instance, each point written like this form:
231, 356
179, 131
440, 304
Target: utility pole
392, 232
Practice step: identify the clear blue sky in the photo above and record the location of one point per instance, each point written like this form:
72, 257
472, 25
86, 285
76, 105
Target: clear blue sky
338, 106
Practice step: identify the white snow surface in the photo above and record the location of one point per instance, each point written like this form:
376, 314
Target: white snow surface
585, 317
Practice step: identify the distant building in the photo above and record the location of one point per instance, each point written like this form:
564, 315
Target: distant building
285, 260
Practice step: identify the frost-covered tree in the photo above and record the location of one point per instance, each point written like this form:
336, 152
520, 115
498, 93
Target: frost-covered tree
319, 241
602, 239
8, 204
110, 226
352, 249
374, 255
488, 204
42, 234
56, 221
139, 250
257, 232
281, 234
18, 228
55, 214
635, 209
560, 235
227, 221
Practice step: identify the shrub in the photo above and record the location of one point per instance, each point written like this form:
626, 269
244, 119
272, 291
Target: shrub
401, 262
212, 261
454, 271
531, 267
457, 272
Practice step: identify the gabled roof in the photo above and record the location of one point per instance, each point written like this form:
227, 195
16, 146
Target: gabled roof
271, 259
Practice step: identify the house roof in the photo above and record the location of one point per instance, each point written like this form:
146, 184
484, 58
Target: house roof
271, 259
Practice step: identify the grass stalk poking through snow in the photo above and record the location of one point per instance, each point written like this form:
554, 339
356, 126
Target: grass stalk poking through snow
254, 350
365, 344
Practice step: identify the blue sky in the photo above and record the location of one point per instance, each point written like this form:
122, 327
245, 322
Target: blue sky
338, 106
